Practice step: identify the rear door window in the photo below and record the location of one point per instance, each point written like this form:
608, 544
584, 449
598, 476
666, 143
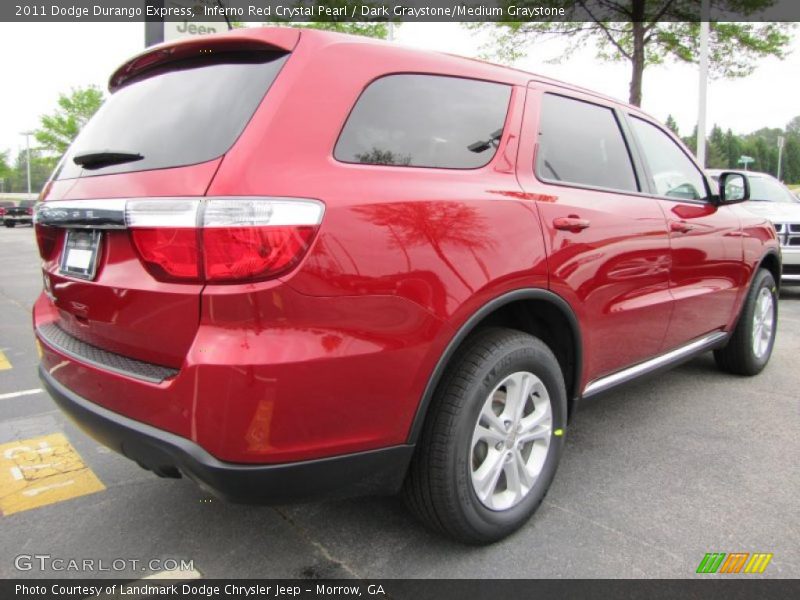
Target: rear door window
425, 121
582, 143
186, 112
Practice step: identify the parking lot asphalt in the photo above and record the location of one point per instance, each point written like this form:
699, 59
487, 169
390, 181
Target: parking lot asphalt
654, 476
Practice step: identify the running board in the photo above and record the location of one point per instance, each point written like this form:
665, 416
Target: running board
662, 362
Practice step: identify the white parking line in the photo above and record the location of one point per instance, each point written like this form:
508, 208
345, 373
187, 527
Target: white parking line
22, 393
178, 574
129, 590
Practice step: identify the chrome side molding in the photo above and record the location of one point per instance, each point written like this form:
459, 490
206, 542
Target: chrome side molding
670, 358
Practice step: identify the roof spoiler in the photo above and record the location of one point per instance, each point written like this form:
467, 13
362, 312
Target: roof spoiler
280, 38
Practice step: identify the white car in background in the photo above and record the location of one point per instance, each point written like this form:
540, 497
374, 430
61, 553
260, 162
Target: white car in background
771, 199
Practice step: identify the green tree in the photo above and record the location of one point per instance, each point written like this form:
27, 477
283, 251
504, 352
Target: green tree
41, 167
5, 170
691, 141
373, 30
790, 171
648, 32
733, 149
672, 125
793, 127
716, 157
367, 29
58, 129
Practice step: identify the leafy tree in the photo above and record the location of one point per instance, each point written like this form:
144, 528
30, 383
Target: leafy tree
733, 149
376, 156
716, 157
367, 29
691, 141
58, 129
41, 167
373, 30
793, 126
648, 32
672, 124
5, 170
790, 170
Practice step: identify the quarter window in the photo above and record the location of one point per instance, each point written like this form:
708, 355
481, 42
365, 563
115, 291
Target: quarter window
425, 121
673, 174
582, 143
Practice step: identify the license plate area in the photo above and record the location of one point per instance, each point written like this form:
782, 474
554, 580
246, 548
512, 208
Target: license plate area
81, 253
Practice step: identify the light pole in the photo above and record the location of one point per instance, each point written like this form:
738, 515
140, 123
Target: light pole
705, 16
28, 135
781, 141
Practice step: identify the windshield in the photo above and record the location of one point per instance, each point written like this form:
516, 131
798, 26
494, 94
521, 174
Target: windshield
764, 189
183, 113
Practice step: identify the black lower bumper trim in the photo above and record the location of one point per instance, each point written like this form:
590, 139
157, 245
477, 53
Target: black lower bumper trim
375, 472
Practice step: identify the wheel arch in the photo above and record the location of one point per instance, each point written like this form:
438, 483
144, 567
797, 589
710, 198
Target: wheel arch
520, 304
772, 262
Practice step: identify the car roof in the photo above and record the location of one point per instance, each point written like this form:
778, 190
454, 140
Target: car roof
289, 38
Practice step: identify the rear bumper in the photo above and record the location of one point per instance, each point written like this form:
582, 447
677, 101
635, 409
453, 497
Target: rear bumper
375, 472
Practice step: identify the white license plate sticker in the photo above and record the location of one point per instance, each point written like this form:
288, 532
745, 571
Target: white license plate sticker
81, 253
78, 259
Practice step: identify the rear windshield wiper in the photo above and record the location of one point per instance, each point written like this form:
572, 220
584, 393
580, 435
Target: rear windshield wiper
104, 158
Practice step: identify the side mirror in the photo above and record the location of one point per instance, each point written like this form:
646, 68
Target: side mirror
733, 188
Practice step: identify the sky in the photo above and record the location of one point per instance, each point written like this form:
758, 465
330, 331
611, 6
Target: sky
41, 60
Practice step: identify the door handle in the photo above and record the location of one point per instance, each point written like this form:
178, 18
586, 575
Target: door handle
571, 223
680, 226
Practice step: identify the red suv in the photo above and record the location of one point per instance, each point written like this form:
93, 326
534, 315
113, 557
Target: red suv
291, 264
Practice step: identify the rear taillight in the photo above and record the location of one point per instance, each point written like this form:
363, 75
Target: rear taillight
47, 239
169, 254
222, 240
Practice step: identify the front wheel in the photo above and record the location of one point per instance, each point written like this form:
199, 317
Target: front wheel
492, 439
10, 224
751, 343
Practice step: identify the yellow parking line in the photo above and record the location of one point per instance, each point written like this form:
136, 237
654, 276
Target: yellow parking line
41, 471
5, 364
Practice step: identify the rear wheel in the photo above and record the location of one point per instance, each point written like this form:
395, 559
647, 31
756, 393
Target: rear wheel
492, 440
750, 346
10, 223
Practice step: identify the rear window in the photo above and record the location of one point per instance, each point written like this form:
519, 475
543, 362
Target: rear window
183, 113
425, 121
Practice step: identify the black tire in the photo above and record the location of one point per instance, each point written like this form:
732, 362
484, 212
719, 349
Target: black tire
738, 356
438, 488
10, 224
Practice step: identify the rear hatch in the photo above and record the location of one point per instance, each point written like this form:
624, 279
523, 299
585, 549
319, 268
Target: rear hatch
117, 231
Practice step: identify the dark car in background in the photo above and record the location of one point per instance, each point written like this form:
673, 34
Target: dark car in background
20, 214
4, 204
